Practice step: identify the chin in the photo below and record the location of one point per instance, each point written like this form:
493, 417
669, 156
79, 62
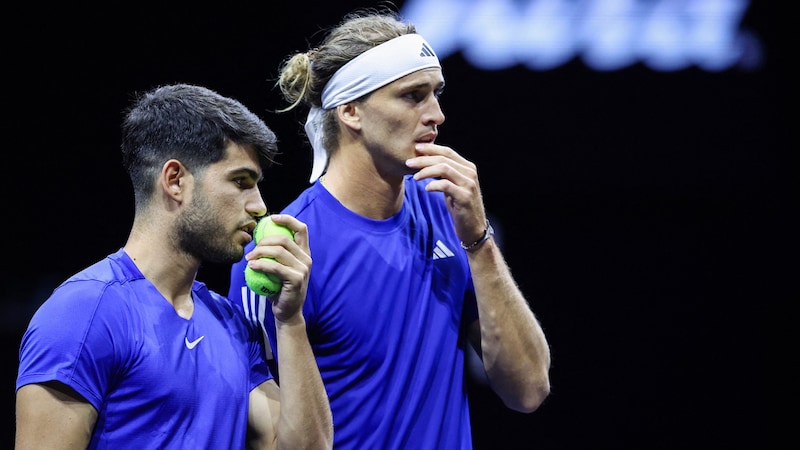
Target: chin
233, 255
409, 171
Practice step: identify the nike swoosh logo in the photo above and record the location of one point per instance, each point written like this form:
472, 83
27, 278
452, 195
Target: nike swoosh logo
193, 344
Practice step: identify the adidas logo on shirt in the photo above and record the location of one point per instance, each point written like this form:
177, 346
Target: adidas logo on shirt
441, 251
426, 51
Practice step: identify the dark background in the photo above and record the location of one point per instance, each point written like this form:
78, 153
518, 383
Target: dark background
643, 213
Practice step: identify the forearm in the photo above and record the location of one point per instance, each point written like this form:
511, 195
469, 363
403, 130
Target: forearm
305, 419
515, 352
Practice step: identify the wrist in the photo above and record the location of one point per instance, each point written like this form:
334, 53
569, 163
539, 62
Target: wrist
488, 233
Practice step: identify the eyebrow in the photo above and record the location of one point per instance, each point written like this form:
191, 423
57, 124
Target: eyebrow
423, 84
249, 172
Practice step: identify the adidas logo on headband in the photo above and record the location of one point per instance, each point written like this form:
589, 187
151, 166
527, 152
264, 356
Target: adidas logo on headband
426, 51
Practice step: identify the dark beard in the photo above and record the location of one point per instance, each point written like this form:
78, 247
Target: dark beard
201, 234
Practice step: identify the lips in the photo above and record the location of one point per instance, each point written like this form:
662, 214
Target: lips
428, 138
249, 228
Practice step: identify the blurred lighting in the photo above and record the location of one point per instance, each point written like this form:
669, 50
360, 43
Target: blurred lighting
606, 35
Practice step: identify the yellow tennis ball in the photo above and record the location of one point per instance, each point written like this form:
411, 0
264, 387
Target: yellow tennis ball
265, 283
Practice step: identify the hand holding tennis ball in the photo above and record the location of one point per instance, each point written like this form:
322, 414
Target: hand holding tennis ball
259, 282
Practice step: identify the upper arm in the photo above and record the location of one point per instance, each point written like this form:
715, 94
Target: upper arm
262, 416
52, 415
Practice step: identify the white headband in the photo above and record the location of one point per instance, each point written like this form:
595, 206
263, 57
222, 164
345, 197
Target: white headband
365, 73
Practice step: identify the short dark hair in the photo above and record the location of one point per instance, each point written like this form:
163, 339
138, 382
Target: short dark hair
192, 124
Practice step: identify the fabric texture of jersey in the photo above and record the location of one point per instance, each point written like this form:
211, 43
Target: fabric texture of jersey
386, 310
157, 380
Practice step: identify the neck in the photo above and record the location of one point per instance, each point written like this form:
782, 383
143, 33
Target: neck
364, 191
170, 271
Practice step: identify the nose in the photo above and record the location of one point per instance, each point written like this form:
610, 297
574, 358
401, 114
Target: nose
255, 205
434, 113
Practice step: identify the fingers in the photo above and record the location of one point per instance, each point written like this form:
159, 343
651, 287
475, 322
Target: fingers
437, 161
299, 229
451, 173
280, 246
290, 260
432, 154
457, 178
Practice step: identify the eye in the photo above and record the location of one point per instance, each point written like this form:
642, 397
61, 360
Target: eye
244, 182
416, 96
421, 95
245, 178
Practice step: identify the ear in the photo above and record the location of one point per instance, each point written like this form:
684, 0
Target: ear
172, 180
348, 114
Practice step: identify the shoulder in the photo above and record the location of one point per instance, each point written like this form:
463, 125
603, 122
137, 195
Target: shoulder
306, 198
85, 288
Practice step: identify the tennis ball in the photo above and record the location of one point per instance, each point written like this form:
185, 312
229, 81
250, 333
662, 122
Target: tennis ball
265, 283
